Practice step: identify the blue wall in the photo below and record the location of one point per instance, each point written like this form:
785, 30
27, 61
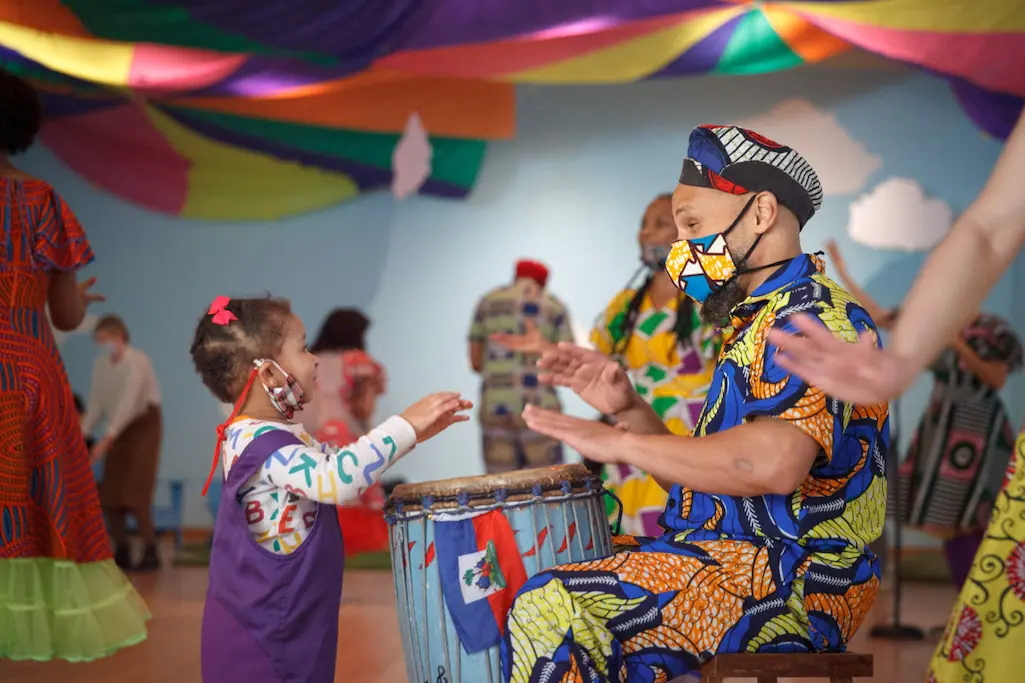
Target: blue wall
569, 189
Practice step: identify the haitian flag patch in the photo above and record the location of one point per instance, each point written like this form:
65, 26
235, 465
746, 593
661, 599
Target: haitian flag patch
481, 571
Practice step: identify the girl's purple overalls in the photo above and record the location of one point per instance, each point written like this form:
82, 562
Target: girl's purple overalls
270, 618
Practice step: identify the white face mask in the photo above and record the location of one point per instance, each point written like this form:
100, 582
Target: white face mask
108, 348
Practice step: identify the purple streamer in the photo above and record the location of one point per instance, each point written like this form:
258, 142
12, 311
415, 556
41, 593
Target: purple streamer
995, 113
369, 29
704, 55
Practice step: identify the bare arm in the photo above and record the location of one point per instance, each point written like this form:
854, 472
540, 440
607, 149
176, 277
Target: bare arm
66, 300
641, 418
763, 457
968, 263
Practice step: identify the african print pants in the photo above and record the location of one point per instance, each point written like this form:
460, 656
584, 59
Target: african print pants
507, 449
649, 616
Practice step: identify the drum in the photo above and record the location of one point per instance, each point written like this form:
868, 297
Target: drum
557, 516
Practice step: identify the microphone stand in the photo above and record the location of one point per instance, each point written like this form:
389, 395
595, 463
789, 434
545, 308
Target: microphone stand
896, 630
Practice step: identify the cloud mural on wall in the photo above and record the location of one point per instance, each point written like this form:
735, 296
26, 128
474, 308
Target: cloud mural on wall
897, 214
88, 323
844, 164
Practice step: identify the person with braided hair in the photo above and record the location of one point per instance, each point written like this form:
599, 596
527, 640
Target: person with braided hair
657, 334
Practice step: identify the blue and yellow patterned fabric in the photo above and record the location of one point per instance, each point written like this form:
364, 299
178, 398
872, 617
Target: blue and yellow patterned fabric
774, 573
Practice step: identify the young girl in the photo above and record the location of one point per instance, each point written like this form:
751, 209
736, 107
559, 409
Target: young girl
271, 612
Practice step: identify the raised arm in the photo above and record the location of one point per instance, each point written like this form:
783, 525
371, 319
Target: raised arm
877, 312
949, 290
962, 270
338, 476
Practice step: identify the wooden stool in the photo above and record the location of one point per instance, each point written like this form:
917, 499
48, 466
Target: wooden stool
837, 667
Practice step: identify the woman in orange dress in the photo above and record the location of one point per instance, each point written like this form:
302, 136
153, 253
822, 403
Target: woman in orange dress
61, 595
349, 381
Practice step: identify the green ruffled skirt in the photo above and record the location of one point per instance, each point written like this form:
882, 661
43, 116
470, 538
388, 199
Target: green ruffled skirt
58, 609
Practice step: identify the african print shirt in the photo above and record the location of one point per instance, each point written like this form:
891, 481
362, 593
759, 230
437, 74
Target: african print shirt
508, 378
841, 505
280, 501
672, 377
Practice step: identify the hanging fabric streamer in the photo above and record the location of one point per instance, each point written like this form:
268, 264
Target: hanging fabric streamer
241, 110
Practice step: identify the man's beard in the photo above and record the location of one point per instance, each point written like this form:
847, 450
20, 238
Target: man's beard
717, 307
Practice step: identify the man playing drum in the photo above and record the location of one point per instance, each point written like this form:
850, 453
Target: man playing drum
771, 510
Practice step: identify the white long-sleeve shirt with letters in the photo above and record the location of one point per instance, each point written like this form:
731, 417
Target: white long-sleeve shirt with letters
281, 500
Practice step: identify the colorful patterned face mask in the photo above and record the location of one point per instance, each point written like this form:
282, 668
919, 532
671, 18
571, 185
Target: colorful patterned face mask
654, 255
700, 266
287, 399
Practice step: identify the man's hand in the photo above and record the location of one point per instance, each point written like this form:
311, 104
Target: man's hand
530, 341
593, 376
854, 373
100, 449
593, 440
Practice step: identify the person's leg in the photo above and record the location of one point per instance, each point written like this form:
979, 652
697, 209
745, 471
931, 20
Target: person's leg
540, 451
119, 534
500, 450
642, 615
144, 447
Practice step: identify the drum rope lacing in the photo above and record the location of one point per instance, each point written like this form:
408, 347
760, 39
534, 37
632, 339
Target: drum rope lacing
501, 495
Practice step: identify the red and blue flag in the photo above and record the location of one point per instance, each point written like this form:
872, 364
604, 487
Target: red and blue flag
481, 570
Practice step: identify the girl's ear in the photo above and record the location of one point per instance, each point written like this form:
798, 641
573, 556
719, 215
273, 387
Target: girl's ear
266, 374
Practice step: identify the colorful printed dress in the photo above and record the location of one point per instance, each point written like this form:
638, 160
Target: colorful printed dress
773, 573
963, 444
341, 378
61, 596
985, 635
673, 377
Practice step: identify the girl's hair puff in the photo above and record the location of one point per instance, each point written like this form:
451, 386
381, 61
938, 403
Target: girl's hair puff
224, 354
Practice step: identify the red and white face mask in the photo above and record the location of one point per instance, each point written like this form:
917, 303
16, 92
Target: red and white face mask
287, 399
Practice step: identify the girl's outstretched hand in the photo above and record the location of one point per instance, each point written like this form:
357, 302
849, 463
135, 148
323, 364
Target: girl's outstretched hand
433, 414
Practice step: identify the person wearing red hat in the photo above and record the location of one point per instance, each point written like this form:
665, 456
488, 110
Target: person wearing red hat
523, 312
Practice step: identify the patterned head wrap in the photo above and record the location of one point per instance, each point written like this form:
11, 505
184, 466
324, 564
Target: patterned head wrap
738, 161
535, 270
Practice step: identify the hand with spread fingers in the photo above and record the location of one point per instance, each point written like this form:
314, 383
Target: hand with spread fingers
854, 373
593, 440
434, 414
593, 376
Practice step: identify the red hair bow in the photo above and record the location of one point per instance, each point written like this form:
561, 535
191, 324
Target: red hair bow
219, 311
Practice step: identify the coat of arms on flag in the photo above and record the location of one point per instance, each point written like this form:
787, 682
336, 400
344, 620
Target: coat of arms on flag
482, 575
481, 570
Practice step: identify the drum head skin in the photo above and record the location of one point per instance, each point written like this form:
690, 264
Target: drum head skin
483, 489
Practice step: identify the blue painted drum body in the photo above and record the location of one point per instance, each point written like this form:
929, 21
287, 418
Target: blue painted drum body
557, 515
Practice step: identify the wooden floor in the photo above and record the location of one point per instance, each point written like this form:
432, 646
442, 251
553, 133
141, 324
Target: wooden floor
370, 650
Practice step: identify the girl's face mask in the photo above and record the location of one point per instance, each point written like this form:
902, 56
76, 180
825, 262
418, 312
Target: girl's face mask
701, 266
287, 399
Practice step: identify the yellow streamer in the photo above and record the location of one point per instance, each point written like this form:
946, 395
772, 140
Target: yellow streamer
632, 59
229, 183
978, 16
99, 61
